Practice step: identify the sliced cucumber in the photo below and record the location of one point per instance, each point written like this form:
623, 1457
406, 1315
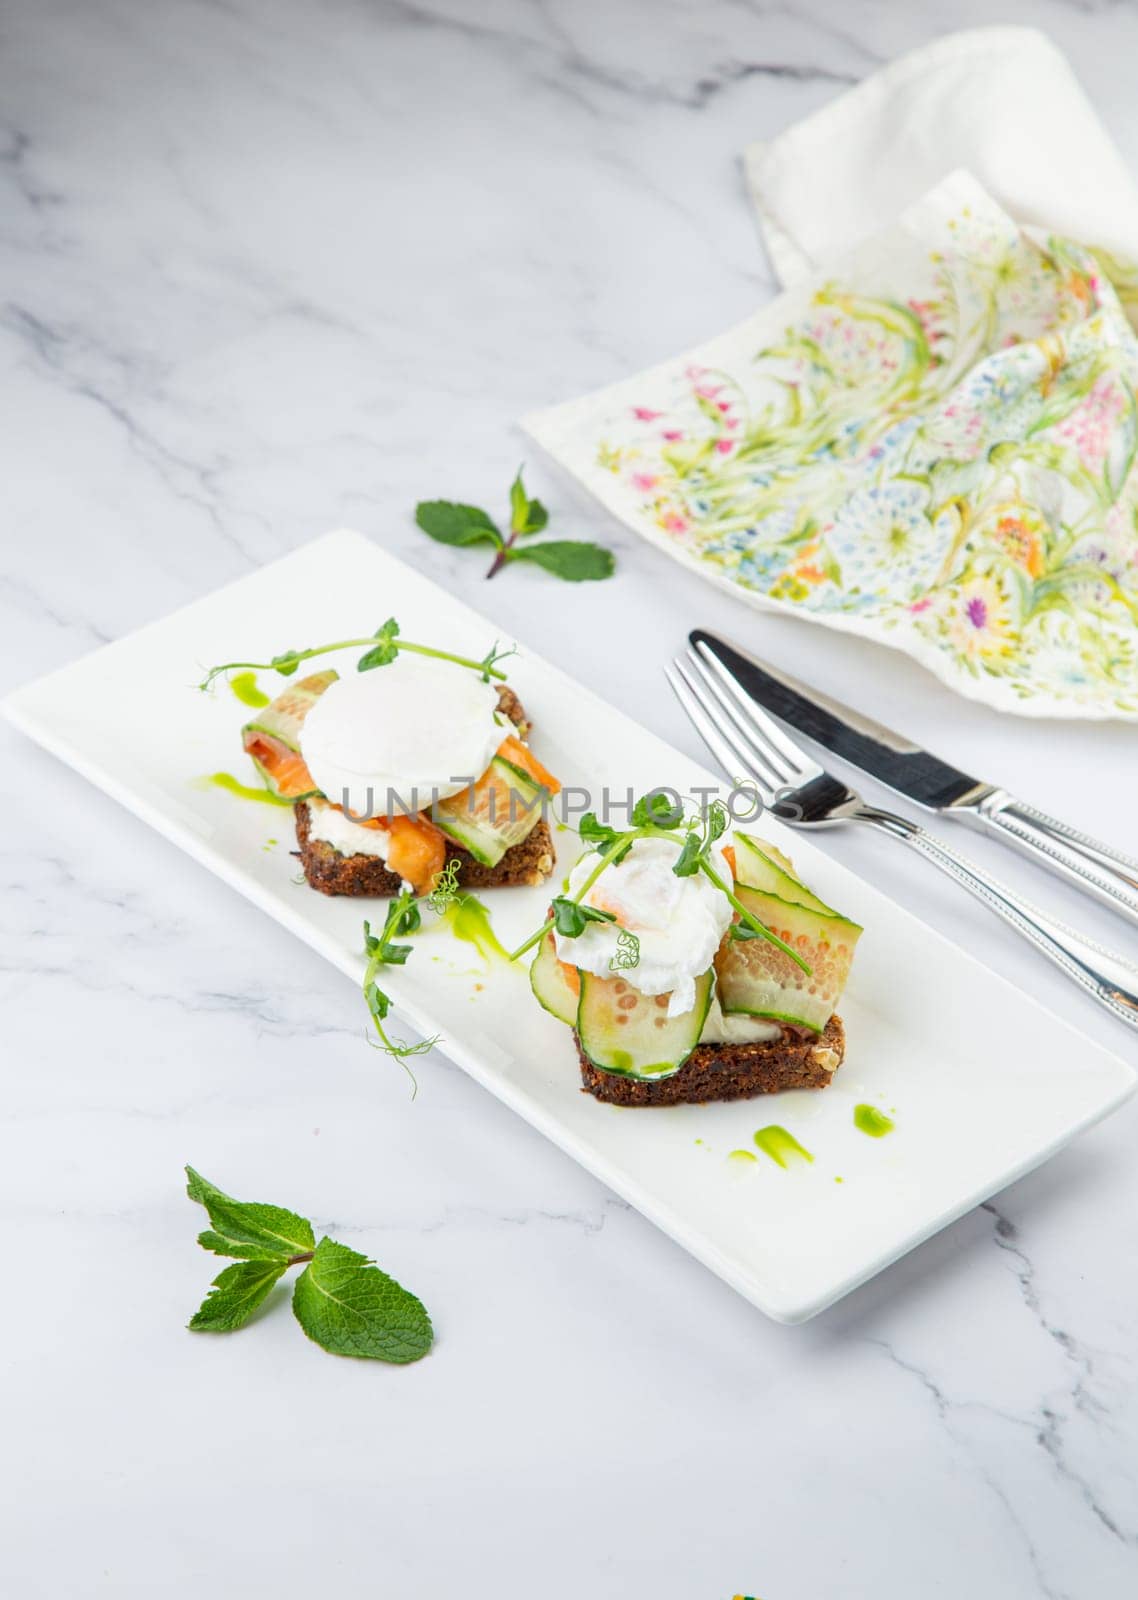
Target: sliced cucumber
631, 1034
283, 718
757, 979
550, 985
272, 739
762, 866
480, 819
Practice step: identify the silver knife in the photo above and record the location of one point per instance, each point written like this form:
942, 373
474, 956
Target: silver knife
904, 767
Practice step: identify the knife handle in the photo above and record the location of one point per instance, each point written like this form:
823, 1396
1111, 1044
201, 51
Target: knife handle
1087, 863
1110, 979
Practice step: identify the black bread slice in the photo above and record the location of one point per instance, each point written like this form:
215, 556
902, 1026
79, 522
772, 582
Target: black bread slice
728, 1071
527, 864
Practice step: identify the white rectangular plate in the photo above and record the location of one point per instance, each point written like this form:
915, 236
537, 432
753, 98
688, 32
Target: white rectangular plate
982, 1083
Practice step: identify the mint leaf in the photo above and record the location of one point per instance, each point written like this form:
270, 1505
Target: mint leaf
526, 515
452, 523
235, 1294
575, 560
349, 1307
248, 1229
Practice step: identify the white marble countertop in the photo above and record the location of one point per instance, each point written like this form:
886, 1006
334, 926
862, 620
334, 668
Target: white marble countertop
273, 267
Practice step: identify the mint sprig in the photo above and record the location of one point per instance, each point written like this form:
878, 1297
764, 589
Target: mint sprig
454, 523
342, 1300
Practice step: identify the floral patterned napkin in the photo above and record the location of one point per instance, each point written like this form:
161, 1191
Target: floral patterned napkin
934, 448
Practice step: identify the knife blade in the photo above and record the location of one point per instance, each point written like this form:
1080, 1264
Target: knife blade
893, 760
924, 778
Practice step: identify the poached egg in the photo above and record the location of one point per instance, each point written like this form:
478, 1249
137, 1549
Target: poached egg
678, 921
402, 735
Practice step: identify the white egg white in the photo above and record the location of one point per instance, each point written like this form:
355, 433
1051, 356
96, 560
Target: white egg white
678, 921
398, 736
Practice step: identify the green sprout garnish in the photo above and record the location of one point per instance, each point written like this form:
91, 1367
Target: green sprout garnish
382, 647
570, 916
445, 892
403, 917
627, 953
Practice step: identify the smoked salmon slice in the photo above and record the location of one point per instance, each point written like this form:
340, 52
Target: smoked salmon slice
520, 755
284, 770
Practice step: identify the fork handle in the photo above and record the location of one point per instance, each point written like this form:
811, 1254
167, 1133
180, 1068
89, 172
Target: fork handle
1108, 874
1107, 978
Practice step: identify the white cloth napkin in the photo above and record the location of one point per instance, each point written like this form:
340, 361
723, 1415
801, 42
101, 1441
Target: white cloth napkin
1002, 103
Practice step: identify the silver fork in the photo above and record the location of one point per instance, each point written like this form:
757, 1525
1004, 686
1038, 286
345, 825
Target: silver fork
746, 741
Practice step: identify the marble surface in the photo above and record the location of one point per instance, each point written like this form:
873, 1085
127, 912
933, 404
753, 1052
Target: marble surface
273, 267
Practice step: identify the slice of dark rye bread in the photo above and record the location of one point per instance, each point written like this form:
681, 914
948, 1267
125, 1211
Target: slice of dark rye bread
728, 1071
527, 863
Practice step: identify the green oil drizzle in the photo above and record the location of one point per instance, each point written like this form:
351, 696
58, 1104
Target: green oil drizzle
869, 1120
243, 791
741, 1155
782, 1147
244, 686
469, 920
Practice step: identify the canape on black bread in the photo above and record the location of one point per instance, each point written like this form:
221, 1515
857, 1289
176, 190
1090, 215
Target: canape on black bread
493, 830
715, 988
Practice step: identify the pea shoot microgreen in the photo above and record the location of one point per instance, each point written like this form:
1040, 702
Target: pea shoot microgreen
627, 953
380, 649
570, 916
445, 891
403, 918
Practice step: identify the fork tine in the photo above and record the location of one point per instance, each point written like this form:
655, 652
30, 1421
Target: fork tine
724, 744
749, 735
707, 730
801, 765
